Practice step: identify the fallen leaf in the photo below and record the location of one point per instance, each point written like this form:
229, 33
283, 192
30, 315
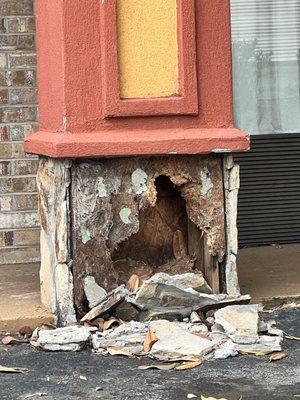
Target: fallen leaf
119, 351
188, 365
150, 339
9, 340
111, 322
25, 331
133, 283
291, 337
255, 352
47, 327
83, 378
210, 398
202, 336
35, 344
12, 370
277, 356
191, 396
161, 367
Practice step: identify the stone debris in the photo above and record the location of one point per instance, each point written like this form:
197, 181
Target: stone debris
129, 336
239, 322
94, 293
70, 338
227, 349
109, 301
183, 281
186, 324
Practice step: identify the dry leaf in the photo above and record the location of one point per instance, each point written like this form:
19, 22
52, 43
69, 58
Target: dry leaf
119, 351
255, 352
188, 365
277, 356
291, 337
112, 321
12, 370
202, 336
162, 367
150, 339
210, 398
9, 340
133, 283
47, 327
35, 344
25, 331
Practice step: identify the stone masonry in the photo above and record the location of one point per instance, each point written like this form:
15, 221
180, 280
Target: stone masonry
19, 225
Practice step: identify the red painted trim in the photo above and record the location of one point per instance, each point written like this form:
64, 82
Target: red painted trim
186, 103
137, 143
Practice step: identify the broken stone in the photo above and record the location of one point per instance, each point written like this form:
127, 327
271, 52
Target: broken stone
127, 312
70, 338
240, 322
228, 349
168, 313
130, 336
264, 344
178, 342
94, 293
194, 318
175, 339
153, 295
110, 301
183, 281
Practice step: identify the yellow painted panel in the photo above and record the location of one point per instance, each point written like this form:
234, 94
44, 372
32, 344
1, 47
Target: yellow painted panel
147, 48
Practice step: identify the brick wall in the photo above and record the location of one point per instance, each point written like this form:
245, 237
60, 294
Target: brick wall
19, 233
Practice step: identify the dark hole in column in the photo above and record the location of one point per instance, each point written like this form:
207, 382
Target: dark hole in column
162, 240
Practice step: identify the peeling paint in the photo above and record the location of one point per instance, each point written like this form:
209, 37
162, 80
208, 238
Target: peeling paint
125, 214
139, 181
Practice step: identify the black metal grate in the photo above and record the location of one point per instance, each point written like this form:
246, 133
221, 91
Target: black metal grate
269, 198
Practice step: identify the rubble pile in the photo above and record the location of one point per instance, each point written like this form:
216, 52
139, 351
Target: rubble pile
167, 318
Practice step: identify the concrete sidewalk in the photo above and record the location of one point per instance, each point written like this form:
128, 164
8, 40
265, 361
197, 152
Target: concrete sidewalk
74, 376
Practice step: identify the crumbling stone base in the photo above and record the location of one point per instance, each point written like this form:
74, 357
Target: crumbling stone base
109, 218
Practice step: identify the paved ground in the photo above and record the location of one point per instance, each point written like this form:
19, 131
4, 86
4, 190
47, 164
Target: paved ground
278, 265
246, 377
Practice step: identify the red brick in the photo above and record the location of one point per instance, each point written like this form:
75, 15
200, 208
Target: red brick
23, 96
21, 78
22, 60
19, 132
16, 7
21, 25
4, 133
3, 96
18, 114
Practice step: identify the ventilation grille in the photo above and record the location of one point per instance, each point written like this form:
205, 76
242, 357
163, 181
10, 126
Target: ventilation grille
273, 24
269, 198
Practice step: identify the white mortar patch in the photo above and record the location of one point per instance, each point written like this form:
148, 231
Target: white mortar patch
125, 214
139, 181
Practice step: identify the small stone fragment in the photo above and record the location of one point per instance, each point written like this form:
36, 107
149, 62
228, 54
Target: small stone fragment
153, 295
264, 344
183, 281
126, 312
111, 300
194, 318
94, 293
240, 322
70, 338
181, 343
228, 349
